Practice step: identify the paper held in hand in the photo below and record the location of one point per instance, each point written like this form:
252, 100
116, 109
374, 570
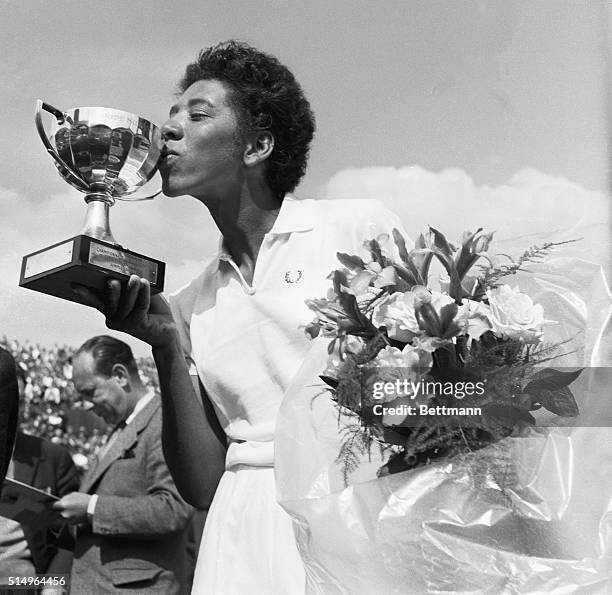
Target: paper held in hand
25, 504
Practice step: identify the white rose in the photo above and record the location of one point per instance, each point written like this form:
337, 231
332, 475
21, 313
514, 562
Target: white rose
513, 314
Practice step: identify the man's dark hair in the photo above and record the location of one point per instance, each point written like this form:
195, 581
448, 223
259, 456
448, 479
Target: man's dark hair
108, 351
266, 96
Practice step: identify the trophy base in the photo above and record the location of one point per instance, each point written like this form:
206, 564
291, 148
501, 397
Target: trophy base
89, 262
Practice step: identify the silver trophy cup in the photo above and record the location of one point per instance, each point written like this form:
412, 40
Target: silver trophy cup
107, 154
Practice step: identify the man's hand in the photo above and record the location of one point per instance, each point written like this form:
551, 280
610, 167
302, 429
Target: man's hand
73, 507
133, 311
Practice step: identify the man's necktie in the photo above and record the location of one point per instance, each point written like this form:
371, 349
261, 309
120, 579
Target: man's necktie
111, 440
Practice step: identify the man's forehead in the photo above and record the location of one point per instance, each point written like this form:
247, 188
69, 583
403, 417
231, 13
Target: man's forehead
83, 363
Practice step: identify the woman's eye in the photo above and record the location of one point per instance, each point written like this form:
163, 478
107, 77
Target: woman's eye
197, 116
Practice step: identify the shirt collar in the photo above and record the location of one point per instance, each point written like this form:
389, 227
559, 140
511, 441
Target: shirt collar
295, 215
140, 405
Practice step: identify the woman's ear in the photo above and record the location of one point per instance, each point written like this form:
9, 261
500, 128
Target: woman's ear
259, 147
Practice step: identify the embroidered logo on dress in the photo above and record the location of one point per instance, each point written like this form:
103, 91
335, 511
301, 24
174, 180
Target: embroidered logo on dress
293, 276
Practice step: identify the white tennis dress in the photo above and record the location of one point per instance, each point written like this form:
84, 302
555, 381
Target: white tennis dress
246, 343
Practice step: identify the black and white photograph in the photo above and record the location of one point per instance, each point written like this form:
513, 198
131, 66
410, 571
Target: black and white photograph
306, 298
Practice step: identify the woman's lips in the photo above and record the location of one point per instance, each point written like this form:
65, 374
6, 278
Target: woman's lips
168, 159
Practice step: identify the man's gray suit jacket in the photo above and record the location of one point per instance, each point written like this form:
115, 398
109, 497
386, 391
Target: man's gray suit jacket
136, 542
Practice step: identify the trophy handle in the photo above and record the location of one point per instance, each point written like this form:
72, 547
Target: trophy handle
61, 118
150, 197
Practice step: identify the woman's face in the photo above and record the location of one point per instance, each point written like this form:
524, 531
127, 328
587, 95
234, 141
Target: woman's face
203, 147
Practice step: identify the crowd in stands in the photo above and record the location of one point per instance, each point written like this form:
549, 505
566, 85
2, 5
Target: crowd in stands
52, 409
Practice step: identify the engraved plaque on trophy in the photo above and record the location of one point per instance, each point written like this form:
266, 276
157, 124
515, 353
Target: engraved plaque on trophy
107, 154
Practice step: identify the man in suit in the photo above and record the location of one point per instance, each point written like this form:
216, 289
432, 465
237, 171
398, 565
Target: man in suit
41, 548
43, 545
9, 403
131, 521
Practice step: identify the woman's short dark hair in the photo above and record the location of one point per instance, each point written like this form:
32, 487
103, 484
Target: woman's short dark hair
266, 96
108, 351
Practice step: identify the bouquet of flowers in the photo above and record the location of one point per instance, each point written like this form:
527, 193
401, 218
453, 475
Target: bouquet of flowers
452, 456
426, 373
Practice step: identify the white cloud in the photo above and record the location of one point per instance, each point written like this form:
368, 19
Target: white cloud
531, 208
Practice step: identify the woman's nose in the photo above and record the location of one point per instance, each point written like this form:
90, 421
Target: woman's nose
171, 130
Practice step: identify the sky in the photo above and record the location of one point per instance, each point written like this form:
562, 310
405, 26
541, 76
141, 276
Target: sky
455, 114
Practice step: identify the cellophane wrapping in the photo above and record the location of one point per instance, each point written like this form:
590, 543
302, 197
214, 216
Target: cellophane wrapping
529, 514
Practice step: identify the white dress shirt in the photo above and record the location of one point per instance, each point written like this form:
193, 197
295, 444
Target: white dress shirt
246, 342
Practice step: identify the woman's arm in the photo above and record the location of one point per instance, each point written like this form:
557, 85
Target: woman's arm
193, 442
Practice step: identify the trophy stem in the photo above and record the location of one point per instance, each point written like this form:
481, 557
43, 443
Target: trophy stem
97, 217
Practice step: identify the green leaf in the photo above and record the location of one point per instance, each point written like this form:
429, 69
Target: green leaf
353, 321
400, 242
332, 382
456, 289
339, 280
422, 260
354, 263
448, 313
441, 243
377, 256
443, 251
561, 402
428, 319
414, 266
400, 285
448, 327
396, 434
550, 379
411, 277
313, 329
348, 390
505, 415
473, 246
